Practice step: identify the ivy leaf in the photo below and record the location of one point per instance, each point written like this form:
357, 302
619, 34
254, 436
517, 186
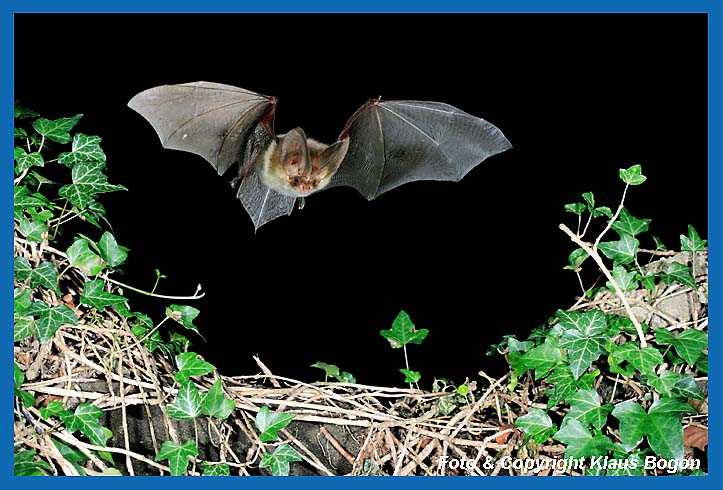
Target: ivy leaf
51, 319
32, 230
411, 376
26, 160
215, 404
80, 256
632, 175
22, 299
622, 251
346, 377
543, 358
689, 344
23, 327
24, 464
18, 380
678, 272
580, 442
189, 364
88, 180
626, 280
72, 454
84, 149
585, 407
403, 332
279, 460
575, 208
56, 130
187, 405
644, 360
584, 338
661, 425
676, 385
45, 275
329, 369
24, 113
270, 423
575, 259
22, 198
19, 133
111, 252
692, 242
627, 224
94, 295
85, 419
183, 315
22, 268
536, 425
218, 469
177, 455
563, 385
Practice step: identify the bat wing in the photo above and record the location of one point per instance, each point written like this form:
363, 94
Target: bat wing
223, 124
395, 142
218, 122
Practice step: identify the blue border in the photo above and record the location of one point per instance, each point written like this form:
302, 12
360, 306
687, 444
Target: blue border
715, 54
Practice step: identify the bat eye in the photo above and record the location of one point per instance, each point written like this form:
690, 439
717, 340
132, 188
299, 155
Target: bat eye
295, 180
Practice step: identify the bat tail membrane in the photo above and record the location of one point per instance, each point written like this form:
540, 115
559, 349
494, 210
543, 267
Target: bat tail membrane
395, 142
215, 121
262, 203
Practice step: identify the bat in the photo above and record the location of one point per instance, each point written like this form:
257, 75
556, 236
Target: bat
383, 145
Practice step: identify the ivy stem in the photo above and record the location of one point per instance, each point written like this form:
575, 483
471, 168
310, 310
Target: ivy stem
592, 252
156, 295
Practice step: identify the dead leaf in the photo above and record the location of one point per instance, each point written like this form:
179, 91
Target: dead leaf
694, 436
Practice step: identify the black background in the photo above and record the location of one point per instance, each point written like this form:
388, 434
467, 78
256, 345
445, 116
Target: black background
578, 96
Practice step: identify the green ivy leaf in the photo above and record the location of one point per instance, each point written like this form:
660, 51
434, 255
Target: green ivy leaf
603, 211
88, 180
584, 338
84, 149
111, 252
543, 358
51, 319
563, 385
56, 130
189, 364
329, 369
24, 113
279, 460
46, 276
22, 298
54, 408
575, 208
585, 407
23, 327
80, 256
678, 272
218, 469
580, 442
661, 425
403, 332
626, 280
187, 405
26, 160
692, 242
627, 224
346, 377
536, 425
71, 454
659, 245
575, 259
22, 198
689, 344
676, 385
18, 380
270, 423
94, 295
411, 376
632, 175
25, 464
19, 133
215, 404
622, 251
177, 455
644, 360
183, 315
85, 419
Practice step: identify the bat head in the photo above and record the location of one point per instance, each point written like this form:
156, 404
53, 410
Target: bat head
297, 166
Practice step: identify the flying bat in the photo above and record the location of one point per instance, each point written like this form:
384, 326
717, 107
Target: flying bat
383, 145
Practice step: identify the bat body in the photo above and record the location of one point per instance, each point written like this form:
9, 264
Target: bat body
384, 144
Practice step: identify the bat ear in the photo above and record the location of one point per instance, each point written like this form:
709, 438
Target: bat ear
330, 159
295, 153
